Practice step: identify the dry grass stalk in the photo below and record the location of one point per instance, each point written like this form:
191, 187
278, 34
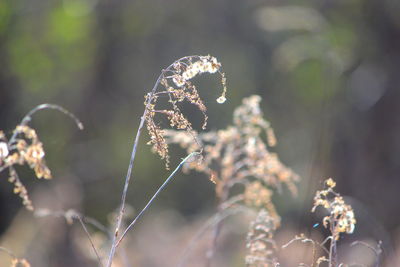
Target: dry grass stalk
341, 217
340, 220
177, 85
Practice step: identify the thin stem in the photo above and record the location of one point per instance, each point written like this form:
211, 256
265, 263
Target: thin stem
332, 247
129, 174
156, 194
72, 214
90, 239
69, 215
27, 118
131, 162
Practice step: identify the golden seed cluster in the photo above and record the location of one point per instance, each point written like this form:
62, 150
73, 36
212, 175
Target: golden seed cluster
238, 155
24, 148
259, 241
177, 87
341, 217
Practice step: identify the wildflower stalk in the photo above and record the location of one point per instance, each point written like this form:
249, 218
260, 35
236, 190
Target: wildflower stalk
129, 173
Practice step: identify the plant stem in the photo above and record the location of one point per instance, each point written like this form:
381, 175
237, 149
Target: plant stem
129, 174
156, 194
133, 154
332, 248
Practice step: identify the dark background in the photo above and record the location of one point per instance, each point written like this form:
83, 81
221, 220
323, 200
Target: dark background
328, 73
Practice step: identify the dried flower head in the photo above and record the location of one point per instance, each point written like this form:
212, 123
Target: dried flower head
341, 217
177, 87
25, 148
238, 155
261, 247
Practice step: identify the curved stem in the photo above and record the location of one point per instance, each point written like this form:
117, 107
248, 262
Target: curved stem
27, 118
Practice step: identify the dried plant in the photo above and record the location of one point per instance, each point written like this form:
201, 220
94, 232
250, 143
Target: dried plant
340, 219
260, 243
341, 215
176, 84
239, 155
25, 148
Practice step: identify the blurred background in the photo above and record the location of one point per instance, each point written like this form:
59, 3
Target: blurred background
328, 74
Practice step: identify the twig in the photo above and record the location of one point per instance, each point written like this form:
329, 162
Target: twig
156, 194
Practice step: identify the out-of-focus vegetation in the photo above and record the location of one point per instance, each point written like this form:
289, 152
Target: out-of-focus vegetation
327, 72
